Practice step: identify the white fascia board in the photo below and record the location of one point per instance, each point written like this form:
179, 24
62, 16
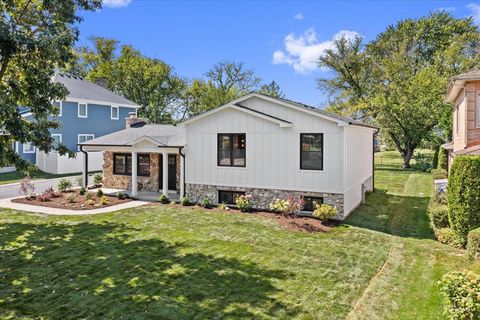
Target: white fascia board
104, 103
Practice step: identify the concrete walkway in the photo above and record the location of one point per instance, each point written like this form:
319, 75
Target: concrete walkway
7, 203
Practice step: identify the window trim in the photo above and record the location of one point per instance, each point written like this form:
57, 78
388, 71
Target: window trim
86, 110
149, 165
323, 149
111, 112
28, 151
229, 191
231, 150
126, 155
84, 134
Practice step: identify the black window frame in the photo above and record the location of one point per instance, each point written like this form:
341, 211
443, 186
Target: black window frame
126, 156
231, 135
234, 194
301, 151
316, 199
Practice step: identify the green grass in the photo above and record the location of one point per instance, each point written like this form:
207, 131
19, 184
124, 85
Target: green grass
16, 176
166, 263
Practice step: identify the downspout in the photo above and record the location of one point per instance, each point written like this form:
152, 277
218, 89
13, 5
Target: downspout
85, 169
184, 172
373, 158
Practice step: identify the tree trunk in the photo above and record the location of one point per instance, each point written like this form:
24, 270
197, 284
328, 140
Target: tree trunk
407, 155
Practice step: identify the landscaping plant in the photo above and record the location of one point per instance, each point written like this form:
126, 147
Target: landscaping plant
244, 202
164, 199
185, 201
69, 198
463, 194
324, 211
462, 292
473, 243
64, 185
104, 200
90, 202
99, 193
435, 157
82, 191
97, 179
289, 207
222, 206
79, 181
206, 203
442, 160
89, 196
27, 188
439, 174
121, 195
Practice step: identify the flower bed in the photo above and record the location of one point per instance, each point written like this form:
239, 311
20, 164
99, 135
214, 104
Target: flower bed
72, 200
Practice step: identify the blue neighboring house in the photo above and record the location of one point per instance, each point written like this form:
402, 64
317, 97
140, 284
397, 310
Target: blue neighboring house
89, 111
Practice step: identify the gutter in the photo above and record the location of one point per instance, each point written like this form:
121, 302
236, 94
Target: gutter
85, 169
373, 158
184, 173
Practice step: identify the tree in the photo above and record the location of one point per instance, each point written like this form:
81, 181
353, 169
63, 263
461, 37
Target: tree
99, 61
399, 79
36, 37
272, 89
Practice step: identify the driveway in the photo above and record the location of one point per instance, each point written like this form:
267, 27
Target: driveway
11, 190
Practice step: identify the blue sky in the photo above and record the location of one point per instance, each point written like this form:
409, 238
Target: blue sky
279, 40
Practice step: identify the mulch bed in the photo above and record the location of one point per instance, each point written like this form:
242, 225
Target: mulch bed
58, 201
302, 224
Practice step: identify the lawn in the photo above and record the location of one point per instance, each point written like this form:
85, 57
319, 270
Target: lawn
16, 176
164, 263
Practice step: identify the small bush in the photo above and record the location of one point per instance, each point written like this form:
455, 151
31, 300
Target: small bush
97, 179
206, 203
463, 194
99, 193
164, 199
50, 192
438, 216
64, 185
121, 195
82, 191
104, 200
324, 211
447, 236
462, 292
288, 207
222, 206
473, 243
90, 202
185, 201
439, 198
442, 159
44, 197
27, 188
439, 174
69, 198
89, 196
244, 202
79, 181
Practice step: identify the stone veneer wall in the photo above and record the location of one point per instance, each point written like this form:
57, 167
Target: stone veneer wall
261, 197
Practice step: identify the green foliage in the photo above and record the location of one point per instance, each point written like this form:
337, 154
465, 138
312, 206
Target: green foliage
104, 200
99, 193
121, 195
244, 202
435, 157
447, 236
222, 206
438, 214
185, 201
79, 181
64, 185
462, 292
82, 191
439, 174
288, 207
324, 211
272, 89
89, 202
463, 194
442, 159
97, 179
69, 198
89, 196
473, 243
164, 199
422, 161
206, 203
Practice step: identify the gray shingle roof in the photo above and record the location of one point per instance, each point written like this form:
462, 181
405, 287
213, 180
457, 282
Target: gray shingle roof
164, 135
79, 88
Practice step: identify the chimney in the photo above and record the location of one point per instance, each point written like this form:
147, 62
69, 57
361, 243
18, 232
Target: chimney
102, 82
132, 119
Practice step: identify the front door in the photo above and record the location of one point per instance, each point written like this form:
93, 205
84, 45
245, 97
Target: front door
172, 172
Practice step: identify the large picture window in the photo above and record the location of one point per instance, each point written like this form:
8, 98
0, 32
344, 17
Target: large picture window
122, 164
311, 151
231, 150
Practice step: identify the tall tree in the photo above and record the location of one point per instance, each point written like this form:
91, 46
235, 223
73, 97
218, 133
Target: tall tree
272, 89
36, 37
399, 79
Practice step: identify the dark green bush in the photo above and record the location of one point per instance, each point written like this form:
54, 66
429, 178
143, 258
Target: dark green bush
185, 201
442, 159
438, 214
435, 157
99, 193
206, 203
64, 184
439, 198
473, 243
463, 193
164, 199
82, 191
461, 290
439, 174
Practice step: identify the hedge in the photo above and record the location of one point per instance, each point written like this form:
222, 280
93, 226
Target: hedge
461, 291
435, 157
463, 193
442, 159
439, 174
473, 244
439, 216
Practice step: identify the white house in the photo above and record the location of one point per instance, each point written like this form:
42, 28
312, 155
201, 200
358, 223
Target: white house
257, 144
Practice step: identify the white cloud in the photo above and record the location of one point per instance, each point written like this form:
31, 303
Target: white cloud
116, 3
475, 8
298, 16
302, 52
447, 9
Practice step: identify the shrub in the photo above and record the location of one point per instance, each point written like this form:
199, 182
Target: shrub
222, 206
164, 199
99, 193
27, 188
439, 174
50, 192
439, 197
104, 200
244, 202
288, 207
82, 191
89, 196
447, 236
44, 197
463, 194
435, 157
97, 179
69, 198
462, 291
206, 203
473, 243
324, 211
90, 202
121, 195
438, 214
185, 201
79, 181
64, 184
442, 159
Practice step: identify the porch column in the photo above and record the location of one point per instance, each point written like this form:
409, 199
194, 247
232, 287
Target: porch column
182, 177
134, 174
165, 173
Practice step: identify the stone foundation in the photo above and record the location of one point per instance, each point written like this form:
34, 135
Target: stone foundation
261, 197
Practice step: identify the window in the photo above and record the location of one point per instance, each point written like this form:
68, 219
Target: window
28, 147
311, 151
82, 110
228, 197
231, 150
57, 139
309, 203
58, 108
82, 138
122, 164
114, 113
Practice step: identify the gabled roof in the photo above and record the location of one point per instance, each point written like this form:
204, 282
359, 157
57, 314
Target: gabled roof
457, 83
81, 89
341, 120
